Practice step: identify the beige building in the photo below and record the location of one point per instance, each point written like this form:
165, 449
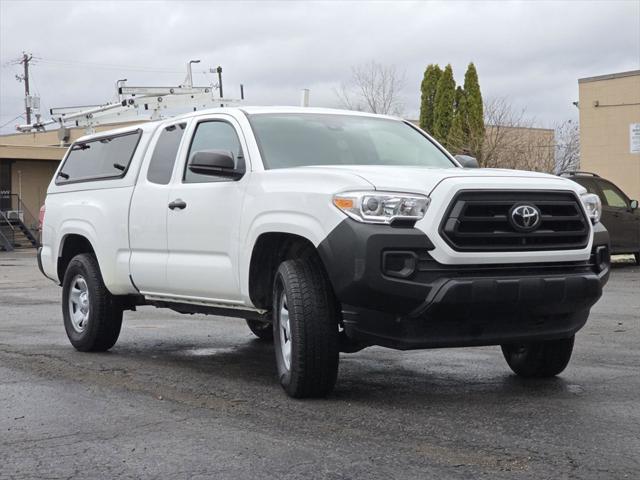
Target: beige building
610, 128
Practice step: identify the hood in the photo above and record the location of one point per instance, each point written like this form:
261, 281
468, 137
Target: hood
424, 180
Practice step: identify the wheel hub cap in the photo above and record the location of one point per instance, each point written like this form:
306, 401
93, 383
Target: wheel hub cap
285, 332
79, 304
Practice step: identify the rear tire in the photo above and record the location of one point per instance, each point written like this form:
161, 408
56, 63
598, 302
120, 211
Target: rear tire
305, 329
539, 359
92, 317
262, 330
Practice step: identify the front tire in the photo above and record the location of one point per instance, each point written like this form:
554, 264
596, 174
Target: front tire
539, 359
305, 329
91, 315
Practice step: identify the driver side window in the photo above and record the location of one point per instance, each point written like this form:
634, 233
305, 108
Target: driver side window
214, 135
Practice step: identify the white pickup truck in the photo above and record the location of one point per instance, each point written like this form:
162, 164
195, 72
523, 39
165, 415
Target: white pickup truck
327, 231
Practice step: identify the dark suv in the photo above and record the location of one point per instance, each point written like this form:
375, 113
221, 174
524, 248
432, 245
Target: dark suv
620, 215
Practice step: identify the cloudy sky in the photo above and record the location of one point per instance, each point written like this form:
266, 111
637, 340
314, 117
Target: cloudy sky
531, 52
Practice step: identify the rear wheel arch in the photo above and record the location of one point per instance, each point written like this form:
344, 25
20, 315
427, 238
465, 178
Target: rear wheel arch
71, 245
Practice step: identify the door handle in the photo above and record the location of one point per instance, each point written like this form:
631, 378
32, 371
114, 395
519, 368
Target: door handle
178, 203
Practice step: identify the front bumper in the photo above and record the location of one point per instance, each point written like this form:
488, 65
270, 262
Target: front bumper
394, 294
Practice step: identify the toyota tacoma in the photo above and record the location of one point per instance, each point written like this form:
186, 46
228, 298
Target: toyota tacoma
328, 231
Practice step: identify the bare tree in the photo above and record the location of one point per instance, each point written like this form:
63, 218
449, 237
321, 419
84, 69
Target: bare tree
512, 141
374, 88
567, 146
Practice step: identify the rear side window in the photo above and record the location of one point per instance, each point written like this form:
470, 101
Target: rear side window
99, 159
164, 155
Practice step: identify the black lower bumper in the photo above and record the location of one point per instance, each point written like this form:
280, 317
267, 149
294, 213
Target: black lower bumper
395, 295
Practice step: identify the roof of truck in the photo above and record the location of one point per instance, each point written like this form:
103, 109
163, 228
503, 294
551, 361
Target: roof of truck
249, 110
255, 110
324, 111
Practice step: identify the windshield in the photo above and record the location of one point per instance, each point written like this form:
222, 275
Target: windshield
303, 139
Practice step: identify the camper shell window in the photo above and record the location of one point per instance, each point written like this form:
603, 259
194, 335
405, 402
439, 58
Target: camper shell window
101, 158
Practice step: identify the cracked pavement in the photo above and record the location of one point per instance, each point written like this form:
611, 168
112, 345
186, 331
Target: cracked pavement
195, 397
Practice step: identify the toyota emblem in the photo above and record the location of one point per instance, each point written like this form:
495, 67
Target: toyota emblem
525, 217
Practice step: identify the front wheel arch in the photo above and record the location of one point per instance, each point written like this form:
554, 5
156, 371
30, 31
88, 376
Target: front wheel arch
269, 251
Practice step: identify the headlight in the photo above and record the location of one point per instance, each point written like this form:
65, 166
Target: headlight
592, 205
381, 207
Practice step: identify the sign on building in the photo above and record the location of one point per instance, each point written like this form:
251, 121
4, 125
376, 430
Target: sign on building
634, 137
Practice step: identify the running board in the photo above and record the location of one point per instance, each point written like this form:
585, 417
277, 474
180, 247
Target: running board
181, 305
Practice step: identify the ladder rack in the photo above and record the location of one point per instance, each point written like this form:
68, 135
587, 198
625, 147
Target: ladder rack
133, 102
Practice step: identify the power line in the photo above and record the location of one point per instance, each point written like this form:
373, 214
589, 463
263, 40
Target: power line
109, 66
55, 63
13, 119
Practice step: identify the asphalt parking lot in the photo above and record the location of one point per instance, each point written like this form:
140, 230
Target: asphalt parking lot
196, 397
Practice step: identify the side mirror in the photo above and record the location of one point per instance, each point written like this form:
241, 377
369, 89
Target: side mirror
218, 163
633, 204
467, 162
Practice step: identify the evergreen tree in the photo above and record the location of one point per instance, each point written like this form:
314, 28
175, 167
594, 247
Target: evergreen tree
445, 98
475, 111
459, 95
458, 137
427, 102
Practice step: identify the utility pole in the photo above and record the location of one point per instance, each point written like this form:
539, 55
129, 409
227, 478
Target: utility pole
25, 61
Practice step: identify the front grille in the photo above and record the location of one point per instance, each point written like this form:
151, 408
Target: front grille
478, 221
